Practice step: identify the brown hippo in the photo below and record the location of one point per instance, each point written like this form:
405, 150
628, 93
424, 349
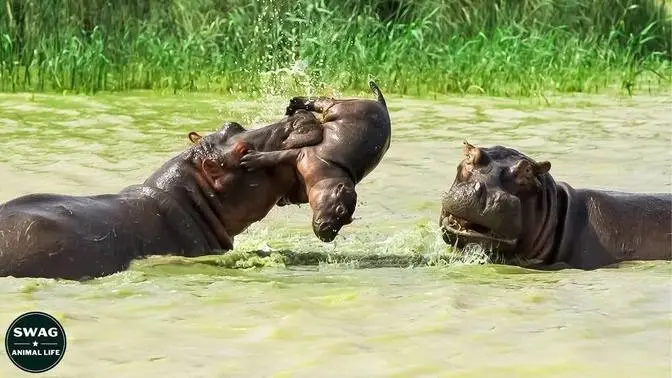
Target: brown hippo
506, 201
193, 205
295, 131
356, 136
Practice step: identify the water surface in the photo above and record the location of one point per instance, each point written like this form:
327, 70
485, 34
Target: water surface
462, 320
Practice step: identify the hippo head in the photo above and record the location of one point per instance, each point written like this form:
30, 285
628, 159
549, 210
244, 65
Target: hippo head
220, 154
333, 201
496, 200
221, 136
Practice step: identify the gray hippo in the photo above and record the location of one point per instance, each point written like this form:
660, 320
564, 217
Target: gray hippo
356, 136
509, 203
193, 205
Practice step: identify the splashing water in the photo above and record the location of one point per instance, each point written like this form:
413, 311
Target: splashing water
226, 316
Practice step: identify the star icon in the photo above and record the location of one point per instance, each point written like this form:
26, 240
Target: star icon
34, 343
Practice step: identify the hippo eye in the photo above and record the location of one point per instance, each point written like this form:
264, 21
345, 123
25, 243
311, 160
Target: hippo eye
340, 210
522, 169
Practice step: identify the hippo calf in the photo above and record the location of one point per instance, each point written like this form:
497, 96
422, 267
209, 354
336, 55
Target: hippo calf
193, 205
510, 204
356, 136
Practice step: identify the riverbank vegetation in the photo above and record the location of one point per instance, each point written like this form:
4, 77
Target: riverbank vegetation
495, 47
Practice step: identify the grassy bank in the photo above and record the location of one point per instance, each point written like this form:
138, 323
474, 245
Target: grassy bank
502, 47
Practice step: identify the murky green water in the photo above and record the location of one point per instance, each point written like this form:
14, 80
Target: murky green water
198, 320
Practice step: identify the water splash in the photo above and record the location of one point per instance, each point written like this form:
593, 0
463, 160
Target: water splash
259, 247
279, 85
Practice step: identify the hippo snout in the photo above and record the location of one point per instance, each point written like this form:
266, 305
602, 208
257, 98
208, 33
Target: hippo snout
464, 198
488, 210
326, 230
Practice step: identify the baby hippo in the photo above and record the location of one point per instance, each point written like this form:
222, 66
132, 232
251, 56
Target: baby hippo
356, 136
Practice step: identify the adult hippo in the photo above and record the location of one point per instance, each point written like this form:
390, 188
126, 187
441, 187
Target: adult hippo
507, 202
356, 136
193, 205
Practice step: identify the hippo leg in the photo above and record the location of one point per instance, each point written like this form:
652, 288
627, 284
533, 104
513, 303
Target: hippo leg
312, 104
257, 159
302, 139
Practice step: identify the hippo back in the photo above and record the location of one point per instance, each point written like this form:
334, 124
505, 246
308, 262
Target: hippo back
357, 141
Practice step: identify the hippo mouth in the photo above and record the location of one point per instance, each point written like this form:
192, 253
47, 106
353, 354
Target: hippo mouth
326, 232
462, 227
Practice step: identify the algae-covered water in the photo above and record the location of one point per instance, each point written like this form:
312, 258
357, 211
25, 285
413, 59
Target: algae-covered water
176, 317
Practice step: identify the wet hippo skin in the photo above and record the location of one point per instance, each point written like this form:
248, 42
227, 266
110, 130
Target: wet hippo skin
193, 205
510, 204
357, 135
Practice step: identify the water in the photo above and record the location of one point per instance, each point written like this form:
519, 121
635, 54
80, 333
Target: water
461, 320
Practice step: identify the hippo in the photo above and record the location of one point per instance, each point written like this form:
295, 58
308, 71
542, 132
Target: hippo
193, 205
356, 136
300, 129
510, 204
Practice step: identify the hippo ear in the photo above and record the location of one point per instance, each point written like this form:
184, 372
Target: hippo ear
472, 153
467, 147
195, 137
542, 167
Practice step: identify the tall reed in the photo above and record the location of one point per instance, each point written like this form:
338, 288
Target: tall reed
498, 47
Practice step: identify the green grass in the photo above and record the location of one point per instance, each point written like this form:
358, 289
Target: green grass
420, 47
